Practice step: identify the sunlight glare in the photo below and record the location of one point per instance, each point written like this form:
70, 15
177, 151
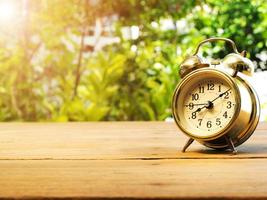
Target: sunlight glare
7, 11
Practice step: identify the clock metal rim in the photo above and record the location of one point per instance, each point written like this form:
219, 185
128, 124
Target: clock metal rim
179, 89
251, 125
255, 113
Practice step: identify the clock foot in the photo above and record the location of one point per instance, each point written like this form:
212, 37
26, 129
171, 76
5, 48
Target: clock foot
188, 143
231, 144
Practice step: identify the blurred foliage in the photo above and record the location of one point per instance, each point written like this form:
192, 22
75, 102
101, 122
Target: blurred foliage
49, 71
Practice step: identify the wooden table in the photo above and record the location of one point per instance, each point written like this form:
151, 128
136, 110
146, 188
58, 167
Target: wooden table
133, 160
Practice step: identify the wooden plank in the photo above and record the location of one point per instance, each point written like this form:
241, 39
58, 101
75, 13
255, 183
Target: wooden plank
170, 179
116, 140
124, 160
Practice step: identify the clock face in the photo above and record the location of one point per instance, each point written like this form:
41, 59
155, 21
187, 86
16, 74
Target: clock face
206, 106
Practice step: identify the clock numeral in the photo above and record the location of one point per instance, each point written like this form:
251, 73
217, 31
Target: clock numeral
210, 86
191, 106
225, 114
209, 124
218, 121
199, 122
229, 104
195, 97
201, 89
194, 115
226, 95
219, 88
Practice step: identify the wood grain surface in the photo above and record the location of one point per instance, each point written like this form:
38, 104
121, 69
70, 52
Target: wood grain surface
134, 160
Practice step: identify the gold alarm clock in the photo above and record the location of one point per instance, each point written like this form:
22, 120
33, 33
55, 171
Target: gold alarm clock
214, 103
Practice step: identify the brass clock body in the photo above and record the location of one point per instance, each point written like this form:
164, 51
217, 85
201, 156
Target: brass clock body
214, 104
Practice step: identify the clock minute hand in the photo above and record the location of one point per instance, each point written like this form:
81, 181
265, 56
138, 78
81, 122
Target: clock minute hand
220, 95
209, 105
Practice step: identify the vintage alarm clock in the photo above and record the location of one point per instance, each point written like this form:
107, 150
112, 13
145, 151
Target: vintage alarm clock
214, 104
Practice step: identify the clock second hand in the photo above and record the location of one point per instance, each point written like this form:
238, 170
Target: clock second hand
195, 104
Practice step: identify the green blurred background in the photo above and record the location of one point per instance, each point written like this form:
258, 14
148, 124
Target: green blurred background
90, 60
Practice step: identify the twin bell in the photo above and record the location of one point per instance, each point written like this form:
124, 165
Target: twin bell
234, 62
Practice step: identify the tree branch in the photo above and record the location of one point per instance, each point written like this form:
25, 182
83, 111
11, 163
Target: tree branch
78, 68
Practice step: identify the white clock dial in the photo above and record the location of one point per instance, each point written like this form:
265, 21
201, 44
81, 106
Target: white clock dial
206, 104
209, 105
